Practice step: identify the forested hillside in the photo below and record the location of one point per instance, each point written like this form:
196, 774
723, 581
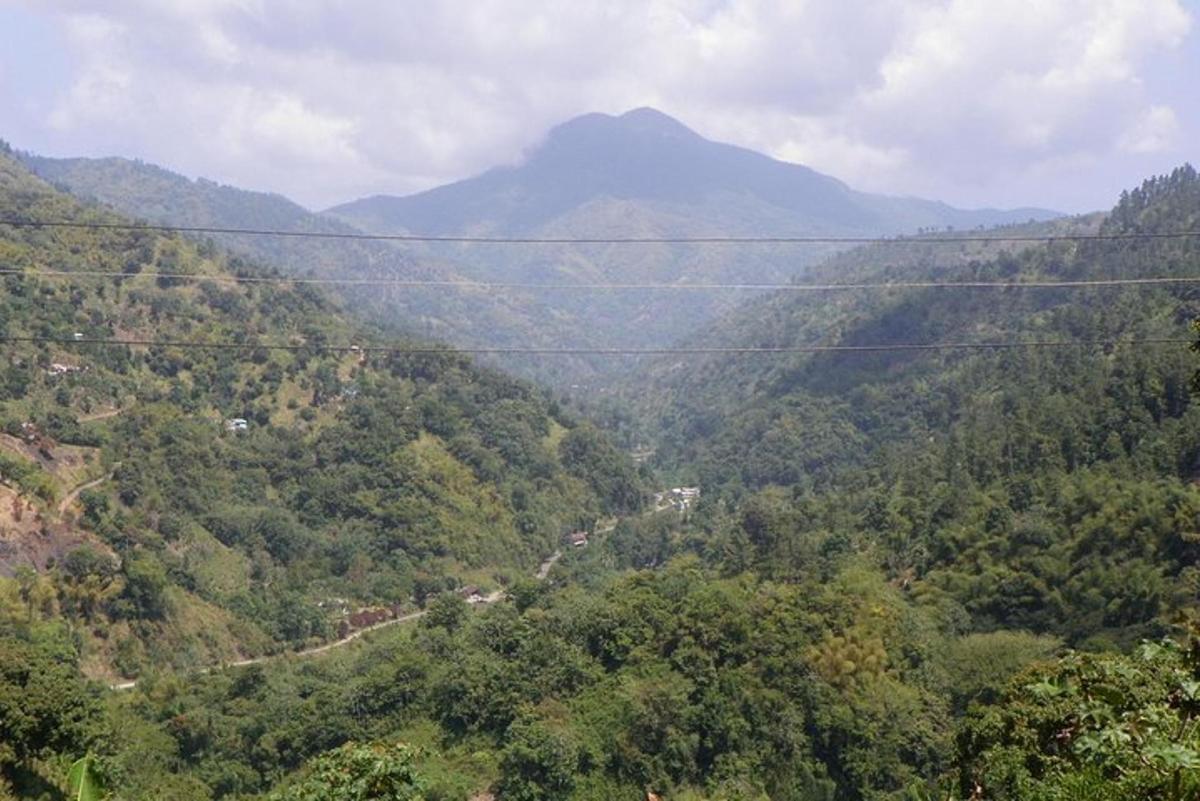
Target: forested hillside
1044, 487
463, 316
242, 488
835, 684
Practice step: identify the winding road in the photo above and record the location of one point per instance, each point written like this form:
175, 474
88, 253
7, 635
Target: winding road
542, 572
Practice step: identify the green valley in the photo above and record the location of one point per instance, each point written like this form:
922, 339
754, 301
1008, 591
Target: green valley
947, 575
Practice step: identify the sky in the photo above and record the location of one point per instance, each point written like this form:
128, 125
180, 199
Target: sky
1052, 103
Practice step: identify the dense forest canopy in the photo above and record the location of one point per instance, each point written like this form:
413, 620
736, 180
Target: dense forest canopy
1048, 489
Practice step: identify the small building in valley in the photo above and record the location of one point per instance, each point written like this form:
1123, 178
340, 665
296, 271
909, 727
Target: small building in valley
681, 498
58, 368
471, 594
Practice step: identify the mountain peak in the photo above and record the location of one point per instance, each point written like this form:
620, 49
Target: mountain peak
638, 122
651, 119
643, 156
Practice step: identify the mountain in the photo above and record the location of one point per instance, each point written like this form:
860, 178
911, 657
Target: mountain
242, 488
646, 157
644, 174
639, 174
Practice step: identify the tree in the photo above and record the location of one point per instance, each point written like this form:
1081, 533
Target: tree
27, 580
46, 708
1093, 726
358, 772
589, 455
526, 592
538, 764
146, 587
446, 611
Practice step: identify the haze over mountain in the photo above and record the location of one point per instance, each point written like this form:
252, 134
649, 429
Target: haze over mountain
640, 174
648, 157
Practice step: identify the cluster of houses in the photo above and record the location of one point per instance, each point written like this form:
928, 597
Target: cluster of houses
366, 618
678, 498
373, 616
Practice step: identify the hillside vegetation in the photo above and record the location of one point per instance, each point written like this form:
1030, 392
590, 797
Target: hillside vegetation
1048, 488
835, 685
165, 533
464, 316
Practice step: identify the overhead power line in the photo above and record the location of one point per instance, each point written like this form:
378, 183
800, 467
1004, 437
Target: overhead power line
488, 285
602, 240
591, 351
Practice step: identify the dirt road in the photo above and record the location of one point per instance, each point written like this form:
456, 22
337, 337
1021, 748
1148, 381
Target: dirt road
104, 415
542, 572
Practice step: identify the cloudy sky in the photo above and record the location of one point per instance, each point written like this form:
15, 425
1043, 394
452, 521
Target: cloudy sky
1057, 103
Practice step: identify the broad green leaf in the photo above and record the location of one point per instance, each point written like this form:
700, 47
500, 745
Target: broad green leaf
83, 781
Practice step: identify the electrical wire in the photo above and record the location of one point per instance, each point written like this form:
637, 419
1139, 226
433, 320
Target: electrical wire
603, 240
593, 351
490, 285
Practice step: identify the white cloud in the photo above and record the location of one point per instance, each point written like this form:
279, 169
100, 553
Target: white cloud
1156, 131
285, 125
323, 100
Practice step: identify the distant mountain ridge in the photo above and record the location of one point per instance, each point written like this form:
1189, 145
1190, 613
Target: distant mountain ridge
157, 194
645, 174
647, 155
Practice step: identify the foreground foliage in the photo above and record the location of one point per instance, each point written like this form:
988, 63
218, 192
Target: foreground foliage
354, 772
683, 683
1094, 726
